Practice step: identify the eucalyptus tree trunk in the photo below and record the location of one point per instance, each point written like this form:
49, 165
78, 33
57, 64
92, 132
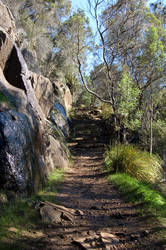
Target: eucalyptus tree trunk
151, 121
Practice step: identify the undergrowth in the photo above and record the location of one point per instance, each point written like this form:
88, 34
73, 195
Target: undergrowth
138, 164
138, 192
50, 190
20, 216
106, 111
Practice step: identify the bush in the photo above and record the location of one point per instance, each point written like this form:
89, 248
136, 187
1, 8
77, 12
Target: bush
106, 110
138, 164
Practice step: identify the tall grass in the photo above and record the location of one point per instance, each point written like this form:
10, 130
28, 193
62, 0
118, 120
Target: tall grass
138, 164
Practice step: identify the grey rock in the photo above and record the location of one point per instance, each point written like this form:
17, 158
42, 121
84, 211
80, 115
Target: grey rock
31, 61
17, 152
50, 215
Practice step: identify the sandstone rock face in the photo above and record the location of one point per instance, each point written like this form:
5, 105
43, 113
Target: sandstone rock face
33, 124
6, 46
7, 21
59, 117
57, 154
22, 165
31, 60
44, 92
65, 93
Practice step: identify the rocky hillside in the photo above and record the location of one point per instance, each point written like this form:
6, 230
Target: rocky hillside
33, 117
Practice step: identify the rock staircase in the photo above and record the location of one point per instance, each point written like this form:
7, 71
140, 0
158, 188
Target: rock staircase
92, 214
88, 132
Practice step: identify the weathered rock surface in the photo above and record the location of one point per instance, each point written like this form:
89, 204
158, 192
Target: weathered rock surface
21, 124
7, 21
57, 155
59, 117
44, 92
31, 60
65, 93
6, 46
52, 213
27, 150
18, 152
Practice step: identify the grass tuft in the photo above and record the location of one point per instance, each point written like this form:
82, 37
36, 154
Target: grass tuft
138, 164
51, 188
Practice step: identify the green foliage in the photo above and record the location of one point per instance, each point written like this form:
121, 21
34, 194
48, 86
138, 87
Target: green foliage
153, 19
159, 136
85, 98
128, 102
138, 192
71, 82
54, 179
106, 110
138, 164
22, 216
51, 187
154, 51
73, 40
18, 214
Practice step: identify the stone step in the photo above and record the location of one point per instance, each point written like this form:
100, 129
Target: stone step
86, 145
86, 122
86, 139
83, 151
83, 133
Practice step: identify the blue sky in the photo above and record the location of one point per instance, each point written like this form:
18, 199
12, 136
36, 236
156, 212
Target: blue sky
79, 4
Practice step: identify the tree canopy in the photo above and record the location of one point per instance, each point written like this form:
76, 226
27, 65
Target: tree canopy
128, 53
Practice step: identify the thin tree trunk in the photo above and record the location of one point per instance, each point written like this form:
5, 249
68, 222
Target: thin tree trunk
151, 123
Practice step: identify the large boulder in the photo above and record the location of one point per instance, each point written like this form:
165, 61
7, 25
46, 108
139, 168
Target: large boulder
57, 154
44, 92
21, 164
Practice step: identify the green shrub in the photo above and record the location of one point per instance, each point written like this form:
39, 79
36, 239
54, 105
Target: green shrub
138, 164
106, 110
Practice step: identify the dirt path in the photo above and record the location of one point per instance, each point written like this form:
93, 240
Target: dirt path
103, 219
